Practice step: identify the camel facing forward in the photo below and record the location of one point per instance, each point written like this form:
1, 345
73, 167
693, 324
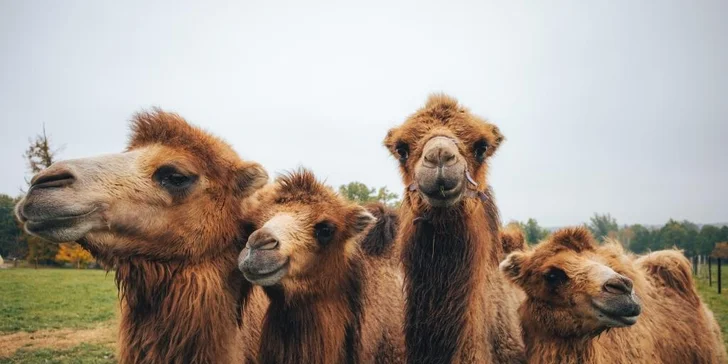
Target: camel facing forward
459, 307
595, 304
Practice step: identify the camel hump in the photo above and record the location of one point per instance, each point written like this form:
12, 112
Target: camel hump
380, 238
512, 240
673, 270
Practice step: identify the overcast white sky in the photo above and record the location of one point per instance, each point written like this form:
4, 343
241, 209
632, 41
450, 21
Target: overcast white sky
616, 106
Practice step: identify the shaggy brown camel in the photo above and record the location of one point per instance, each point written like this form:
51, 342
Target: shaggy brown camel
596, 304
164, 215
459, 307
335, 296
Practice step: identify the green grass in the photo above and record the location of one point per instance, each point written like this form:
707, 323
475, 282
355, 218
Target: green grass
718, 303
33, 299
67, 298
82, 354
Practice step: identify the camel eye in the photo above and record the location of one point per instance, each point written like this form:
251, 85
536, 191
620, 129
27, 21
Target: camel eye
324, 232
172, 179
403, 151
555, 277
480, 148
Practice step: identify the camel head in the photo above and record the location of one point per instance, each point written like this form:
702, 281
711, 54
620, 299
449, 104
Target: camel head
173, 193
443, 151
304, 234
574, 287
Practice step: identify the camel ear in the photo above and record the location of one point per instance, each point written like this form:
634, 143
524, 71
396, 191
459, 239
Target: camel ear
249, 179
495, 141
512, 266
578, 239
360, 220
512, 240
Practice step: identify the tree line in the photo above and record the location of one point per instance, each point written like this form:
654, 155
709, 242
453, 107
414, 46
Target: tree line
685, 235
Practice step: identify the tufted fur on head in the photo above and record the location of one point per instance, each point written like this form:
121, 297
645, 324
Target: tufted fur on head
164, 214
339, 299
560, 321
459, 308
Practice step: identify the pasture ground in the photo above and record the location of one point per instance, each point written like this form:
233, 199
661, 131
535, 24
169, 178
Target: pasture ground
70, 316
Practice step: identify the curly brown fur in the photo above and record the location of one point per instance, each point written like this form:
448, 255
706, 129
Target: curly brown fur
379, 241
512, 240
459, 309
163, 214
335, 304
560, 324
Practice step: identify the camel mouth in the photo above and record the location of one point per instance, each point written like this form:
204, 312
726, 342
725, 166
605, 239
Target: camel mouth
59, 228
267, 276
439, 196
623, 314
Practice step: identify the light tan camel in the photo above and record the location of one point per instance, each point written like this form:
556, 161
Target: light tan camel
164, 215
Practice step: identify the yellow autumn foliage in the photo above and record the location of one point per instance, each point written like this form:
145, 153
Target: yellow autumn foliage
74, 254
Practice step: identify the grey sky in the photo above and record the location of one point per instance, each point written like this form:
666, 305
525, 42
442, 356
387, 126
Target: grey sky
613, 106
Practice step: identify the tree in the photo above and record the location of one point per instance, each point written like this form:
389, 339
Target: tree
74, 254
361, 193
534, 233
708, 236
625, 235
602, 225
720, 250
12, 244
40, 156
388, 198
682, 235
642, 239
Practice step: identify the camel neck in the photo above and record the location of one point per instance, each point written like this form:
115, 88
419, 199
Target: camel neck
543, 349
446, 257
174, 312
321, 328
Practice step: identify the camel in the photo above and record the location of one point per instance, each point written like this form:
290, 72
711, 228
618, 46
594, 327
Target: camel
334, 294
459, 307
512, 239
596, 304
164, 215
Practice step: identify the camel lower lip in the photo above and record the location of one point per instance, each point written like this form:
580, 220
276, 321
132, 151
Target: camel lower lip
257, 277
55, 223
624, 320
444, 195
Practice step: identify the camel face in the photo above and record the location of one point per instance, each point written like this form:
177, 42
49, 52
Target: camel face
443, 149
302, 230
175, 183
572, 288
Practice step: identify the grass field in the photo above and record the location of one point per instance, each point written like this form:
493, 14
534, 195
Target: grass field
718, 303
57, 316
70, 316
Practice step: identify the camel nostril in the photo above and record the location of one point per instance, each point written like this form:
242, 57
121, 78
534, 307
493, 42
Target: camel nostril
55, 179
431, 159
446, 157
269, 245
618, 285
262, 239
